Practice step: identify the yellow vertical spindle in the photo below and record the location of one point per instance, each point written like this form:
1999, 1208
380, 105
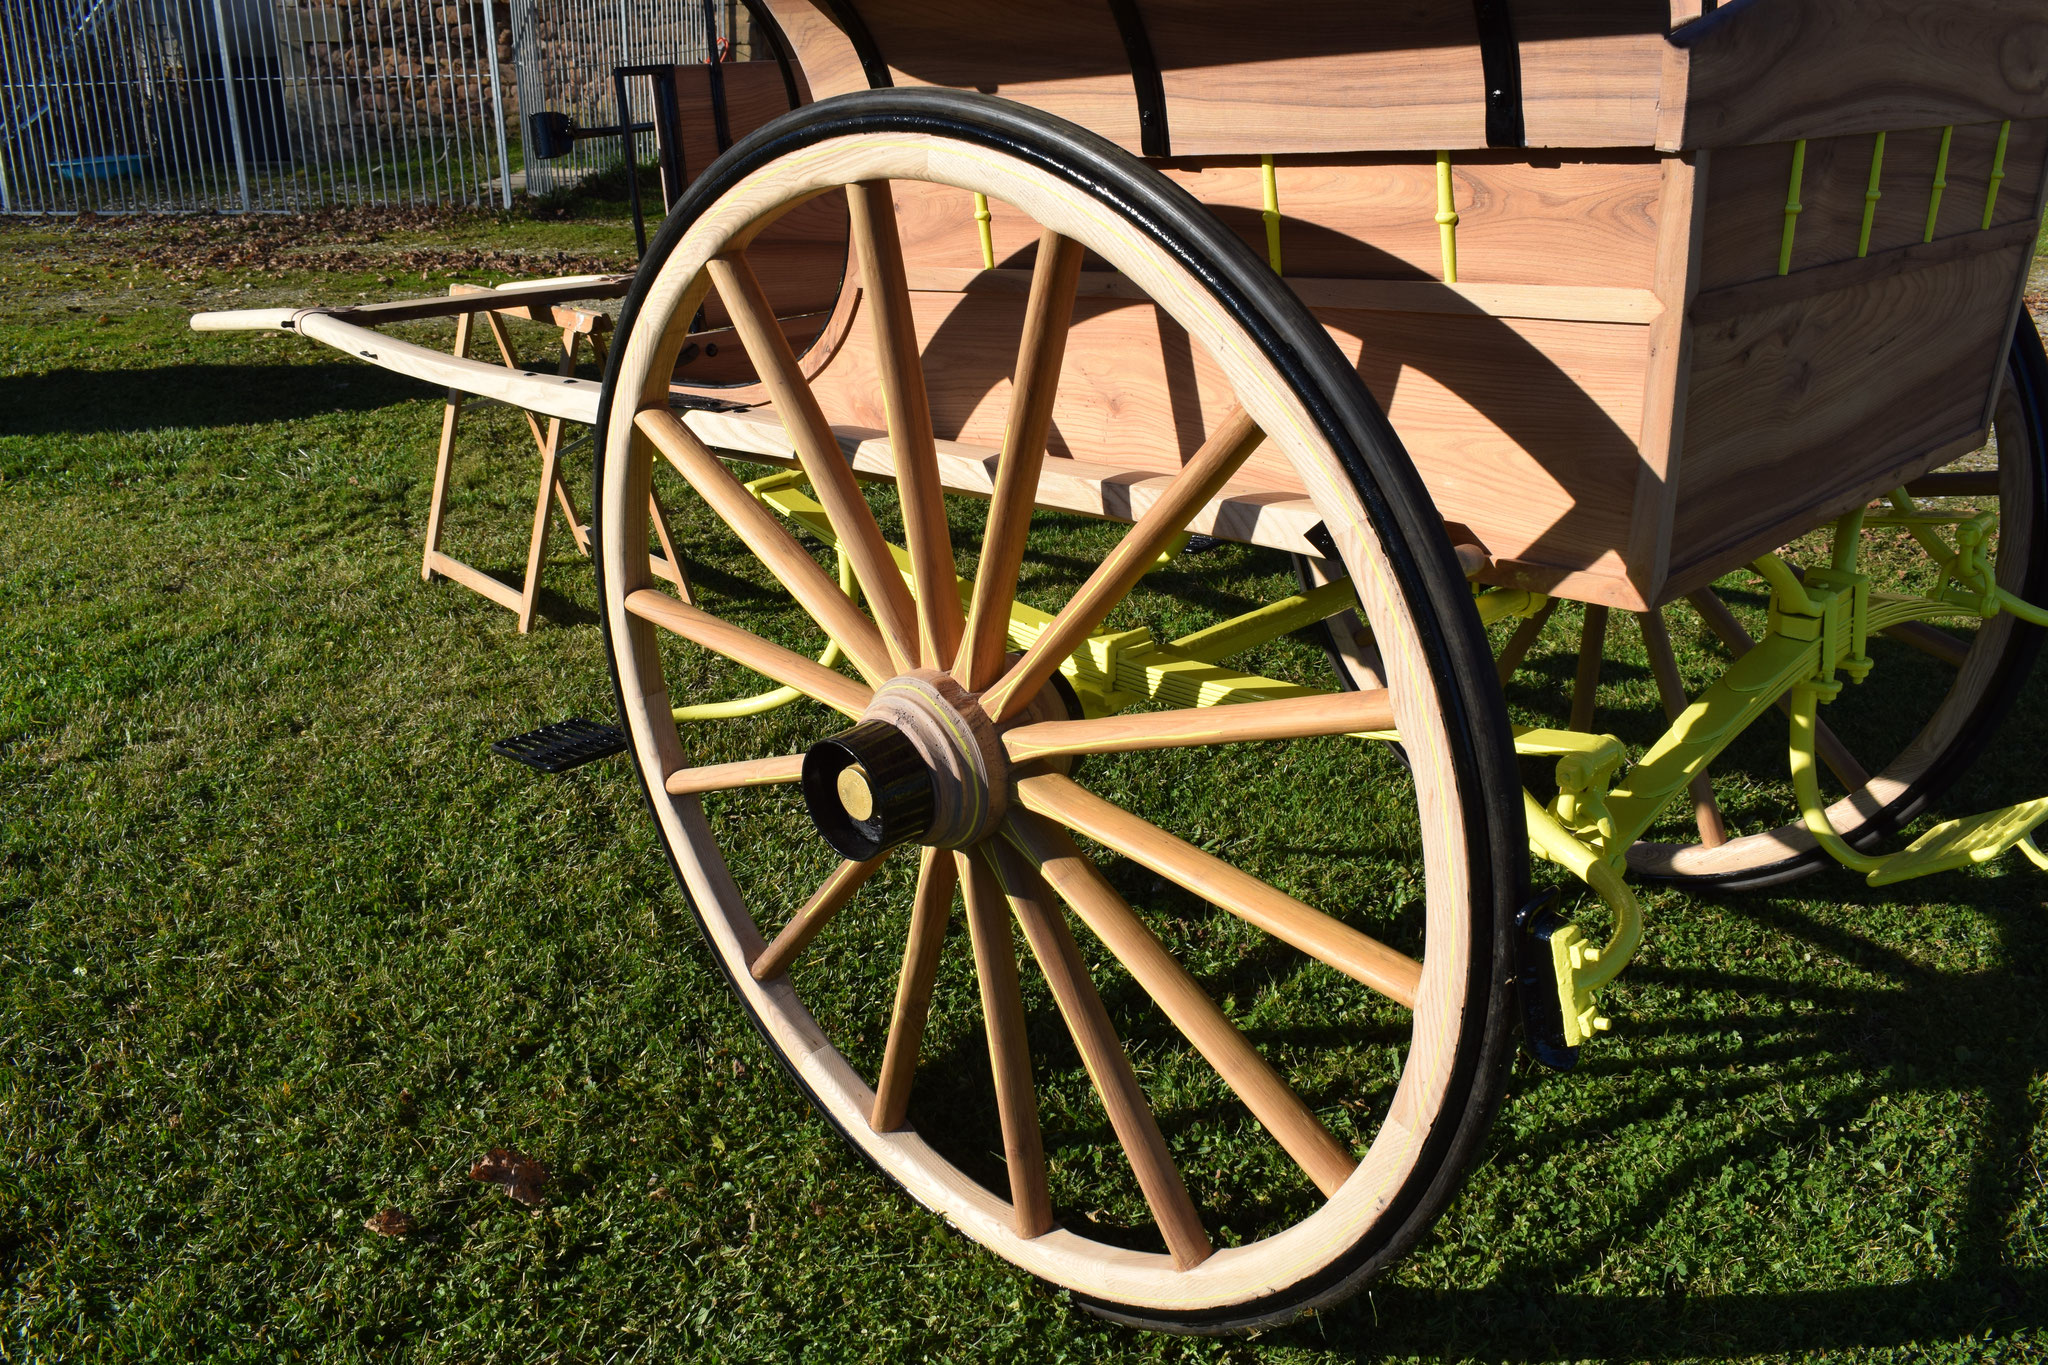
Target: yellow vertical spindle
988, 239
1997, 171
1793, 208
1871, 196
1447, 217
1272, 212
1940, 182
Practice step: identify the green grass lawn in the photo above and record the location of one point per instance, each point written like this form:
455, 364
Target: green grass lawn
282, 945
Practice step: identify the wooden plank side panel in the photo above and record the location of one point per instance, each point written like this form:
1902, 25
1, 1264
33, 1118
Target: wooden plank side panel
1572, 221
1311, 76
1775, 71
1746, 201
1334, 76
1525, 430
1800, 411
829, 64
1543, 410
1062, 56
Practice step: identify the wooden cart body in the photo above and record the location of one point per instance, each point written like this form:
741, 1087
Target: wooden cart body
1621, 396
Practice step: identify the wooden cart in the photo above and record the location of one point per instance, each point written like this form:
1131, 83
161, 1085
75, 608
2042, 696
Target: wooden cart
1468, 308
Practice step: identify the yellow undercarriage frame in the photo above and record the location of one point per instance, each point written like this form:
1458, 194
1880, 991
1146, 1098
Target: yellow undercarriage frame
1819, 623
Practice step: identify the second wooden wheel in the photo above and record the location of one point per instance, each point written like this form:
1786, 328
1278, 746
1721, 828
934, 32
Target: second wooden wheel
1937, 696
1231, 1013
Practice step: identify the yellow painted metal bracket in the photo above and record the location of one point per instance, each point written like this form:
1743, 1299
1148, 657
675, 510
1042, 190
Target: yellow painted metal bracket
1870, 196
1997, 172
1940, 182
988, 240
1793, 208
1270, 182
1447, 217
1581, 967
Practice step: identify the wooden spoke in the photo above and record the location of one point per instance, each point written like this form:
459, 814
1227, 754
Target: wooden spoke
1958, 483
1357, 955
818, 451
1228, 446
810, 921
900, 370
1047, 314
1328, 713
1723, 623
1586, 687
1522, 641
1112, 920
1950, 649
1108, 1067
936, 879
718, 777
1671, 690
813, 679
770, 541
1009, 1056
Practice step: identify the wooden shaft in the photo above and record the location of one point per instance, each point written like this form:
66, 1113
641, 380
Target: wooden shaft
817, 449
1329, 713
839, 615
1586, 688
900, 373
1950, 649
1009, 1054
1047, 315
1671, 691
813, 679
937, 876
1112, 920
1729, 630
1358, 956
1522, 641
825, 903
1103, 1055
1232, 441
718, 777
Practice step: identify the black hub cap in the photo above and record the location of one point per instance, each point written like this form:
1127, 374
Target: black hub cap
868, 790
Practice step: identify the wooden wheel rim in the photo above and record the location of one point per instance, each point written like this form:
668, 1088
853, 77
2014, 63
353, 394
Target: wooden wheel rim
1442, 1030
1893, 793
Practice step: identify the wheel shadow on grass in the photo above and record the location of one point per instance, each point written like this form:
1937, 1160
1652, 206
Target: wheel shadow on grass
1870, 1050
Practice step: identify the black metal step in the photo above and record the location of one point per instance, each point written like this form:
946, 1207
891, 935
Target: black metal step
564, 745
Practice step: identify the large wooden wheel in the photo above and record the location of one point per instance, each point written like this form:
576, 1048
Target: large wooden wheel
1891, 745
1248, 1040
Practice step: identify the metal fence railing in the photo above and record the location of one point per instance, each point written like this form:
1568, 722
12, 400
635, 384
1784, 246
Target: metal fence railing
566, 50
249, 105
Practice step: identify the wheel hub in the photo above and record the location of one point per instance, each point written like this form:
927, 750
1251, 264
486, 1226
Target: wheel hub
924, 764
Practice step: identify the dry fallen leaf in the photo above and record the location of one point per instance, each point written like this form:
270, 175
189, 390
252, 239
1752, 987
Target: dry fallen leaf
516, 1174
390, 1223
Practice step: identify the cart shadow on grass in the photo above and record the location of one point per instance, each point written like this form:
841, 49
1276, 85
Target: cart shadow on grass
88, 402
1893, 1041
